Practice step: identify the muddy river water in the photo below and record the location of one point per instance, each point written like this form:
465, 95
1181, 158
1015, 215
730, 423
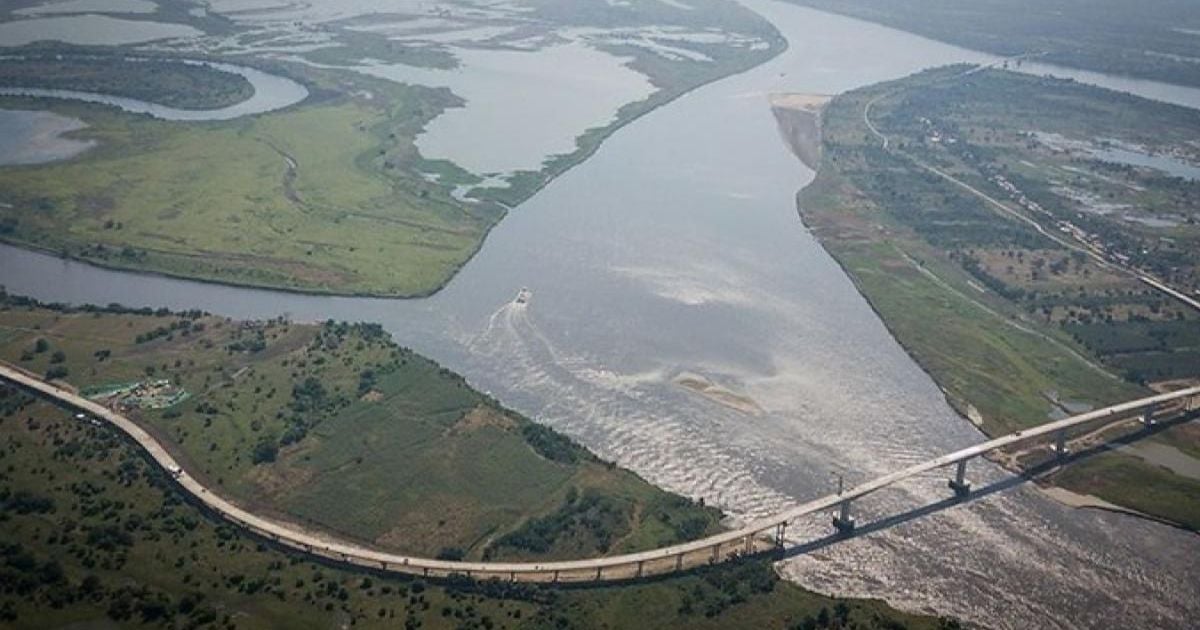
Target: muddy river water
676, 250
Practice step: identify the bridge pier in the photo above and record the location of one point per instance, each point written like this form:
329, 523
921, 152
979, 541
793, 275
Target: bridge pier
844, 522
959, 483
1060, 444
716, 553
679, 563
640, 566
779, 531
749, 544
1147, 417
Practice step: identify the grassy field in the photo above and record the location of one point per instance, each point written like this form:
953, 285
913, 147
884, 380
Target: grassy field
1013, 325
93, 534
325, 196
1128, 481
336, 426
330, 196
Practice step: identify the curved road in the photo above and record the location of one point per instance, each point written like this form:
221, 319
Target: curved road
755, 537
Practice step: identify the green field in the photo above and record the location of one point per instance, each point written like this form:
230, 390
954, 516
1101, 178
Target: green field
328, 196
1013, 325
338, 427
325, 196
94, 535
1129, 482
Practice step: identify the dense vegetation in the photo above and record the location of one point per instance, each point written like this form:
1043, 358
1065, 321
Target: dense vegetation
940, 231
187, 86
1038, 144
326, 196
337, 426
91, 533
1156, 41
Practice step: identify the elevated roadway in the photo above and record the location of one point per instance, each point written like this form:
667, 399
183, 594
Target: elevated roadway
755, 537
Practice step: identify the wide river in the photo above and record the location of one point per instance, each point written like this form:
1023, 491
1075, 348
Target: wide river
677, 249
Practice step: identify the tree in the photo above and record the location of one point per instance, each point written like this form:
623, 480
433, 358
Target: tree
56, 372
265, 451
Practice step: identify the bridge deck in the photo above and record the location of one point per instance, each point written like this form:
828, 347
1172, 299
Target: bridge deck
660, 560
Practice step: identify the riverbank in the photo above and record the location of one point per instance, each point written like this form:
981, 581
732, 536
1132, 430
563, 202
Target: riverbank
444, 481
378, 219
1120, 39
167, 82
913, 241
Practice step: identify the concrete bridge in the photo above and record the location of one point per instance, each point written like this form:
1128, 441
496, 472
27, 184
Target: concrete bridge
758, 536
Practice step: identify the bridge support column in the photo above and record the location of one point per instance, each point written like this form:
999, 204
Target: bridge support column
1147, 417
555, 579
1060, 444
679, 562
598, 570
959, 483
749, 549
512, 576
844, 522
779, 532
640, 566
716, 553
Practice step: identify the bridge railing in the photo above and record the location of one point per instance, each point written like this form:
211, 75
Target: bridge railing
760, 534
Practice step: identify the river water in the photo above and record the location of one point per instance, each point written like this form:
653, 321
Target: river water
271, 92
676, 249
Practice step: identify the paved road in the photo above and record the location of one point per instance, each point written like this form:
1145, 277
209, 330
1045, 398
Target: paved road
1004, 209
755, 537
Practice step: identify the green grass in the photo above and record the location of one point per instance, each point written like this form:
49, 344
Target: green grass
1131, 482
101, 539
93, 534
963, 338
218, 201
918, 248
337, 426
